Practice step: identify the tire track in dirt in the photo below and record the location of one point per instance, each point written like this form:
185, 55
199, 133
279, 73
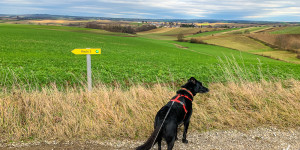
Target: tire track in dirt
186, 48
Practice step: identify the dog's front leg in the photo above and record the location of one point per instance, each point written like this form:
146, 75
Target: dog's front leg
186, 127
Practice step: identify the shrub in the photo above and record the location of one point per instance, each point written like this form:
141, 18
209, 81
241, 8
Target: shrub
298, 55
180, 37
295, 44
92, 25
237, 32
282, 41
119, 28
247, 31
145, 28
195, 40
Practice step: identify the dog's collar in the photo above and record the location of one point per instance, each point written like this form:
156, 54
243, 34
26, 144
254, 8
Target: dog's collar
188, 91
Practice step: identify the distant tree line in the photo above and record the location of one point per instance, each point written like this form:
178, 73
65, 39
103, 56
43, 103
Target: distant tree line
187, 25
120, 28
224, 26
145, 28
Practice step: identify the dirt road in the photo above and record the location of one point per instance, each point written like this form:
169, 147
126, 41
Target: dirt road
260, 138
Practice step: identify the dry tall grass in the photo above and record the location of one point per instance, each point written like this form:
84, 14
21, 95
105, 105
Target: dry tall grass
117, 113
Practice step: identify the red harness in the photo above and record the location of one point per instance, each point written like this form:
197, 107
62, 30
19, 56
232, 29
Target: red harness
178, 101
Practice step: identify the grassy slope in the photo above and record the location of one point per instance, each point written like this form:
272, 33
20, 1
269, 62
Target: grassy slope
35, 54
242, 43
185, 31
157, 30
168, 33
288, 30
251, 29
246, 44
258, 28
213, 32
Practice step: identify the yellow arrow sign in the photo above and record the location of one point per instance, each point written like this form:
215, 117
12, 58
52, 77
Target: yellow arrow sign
86, 51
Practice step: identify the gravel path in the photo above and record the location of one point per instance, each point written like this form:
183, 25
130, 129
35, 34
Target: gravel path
260, 138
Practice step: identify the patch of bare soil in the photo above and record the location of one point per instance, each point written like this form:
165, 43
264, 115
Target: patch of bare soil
179, 46
255, 139
187, 48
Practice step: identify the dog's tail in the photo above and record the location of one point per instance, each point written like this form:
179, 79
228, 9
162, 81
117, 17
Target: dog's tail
148, 144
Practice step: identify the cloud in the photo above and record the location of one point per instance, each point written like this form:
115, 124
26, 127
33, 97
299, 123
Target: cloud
205, 9
277, 12
16, 2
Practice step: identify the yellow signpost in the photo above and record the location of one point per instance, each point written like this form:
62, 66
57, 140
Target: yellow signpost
88, 52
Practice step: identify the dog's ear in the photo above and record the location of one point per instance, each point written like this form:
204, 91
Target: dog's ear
193, 80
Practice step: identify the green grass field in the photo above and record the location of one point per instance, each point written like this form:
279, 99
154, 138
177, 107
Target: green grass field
288, 30
41, 55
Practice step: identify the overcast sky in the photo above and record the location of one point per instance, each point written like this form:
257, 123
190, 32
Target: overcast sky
267, 10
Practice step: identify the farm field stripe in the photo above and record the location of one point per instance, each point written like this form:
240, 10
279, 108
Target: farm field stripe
186, 48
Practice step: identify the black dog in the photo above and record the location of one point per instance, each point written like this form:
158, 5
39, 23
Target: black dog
178, 110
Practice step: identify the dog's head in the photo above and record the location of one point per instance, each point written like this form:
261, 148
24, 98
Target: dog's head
195, 86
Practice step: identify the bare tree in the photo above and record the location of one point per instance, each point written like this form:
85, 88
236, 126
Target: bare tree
180, 37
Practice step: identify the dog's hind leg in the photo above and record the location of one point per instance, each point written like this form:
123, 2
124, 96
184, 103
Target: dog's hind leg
176, 137
170, 142
159, 139
170, 134
186, 127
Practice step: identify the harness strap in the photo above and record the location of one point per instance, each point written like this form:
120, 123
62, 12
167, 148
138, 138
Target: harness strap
187, 97
188, 91
178, 101
175, 100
